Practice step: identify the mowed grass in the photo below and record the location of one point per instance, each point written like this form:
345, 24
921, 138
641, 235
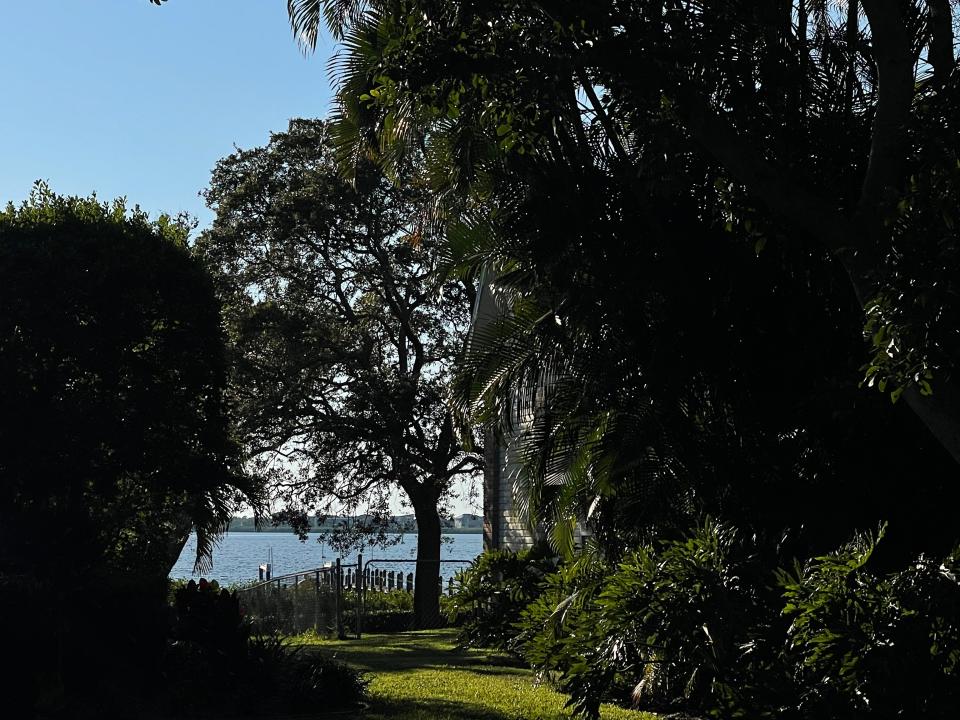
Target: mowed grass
423, 676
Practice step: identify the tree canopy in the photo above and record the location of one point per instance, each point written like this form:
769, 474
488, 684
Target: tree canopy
344, 336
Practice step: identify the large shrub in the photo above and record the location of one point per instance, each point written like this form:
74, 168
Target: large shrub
265, 677
490, 596
871, 645
689, 623
114, 439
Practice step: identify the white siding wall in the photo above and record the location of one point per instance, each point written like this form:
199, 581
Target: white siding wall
509, 532
514, 534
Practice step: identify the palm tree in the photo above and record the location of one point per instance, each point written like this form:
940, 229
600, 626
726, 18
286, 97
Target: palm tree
748, 105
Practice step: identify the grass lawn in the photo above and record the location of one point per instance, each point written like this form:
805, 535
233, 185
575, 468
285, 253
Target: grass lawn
421, 675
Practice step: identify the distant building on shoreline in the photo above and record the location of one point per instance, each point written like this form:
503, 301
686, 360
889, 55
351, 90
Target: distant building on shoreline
466, 524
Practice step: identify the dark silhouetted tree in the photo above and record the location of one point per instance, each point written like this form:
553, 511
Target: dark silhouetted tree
114, 440
344, 337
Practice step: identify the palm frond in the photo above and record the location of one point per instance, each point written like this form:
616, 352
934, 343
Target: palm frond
305, 20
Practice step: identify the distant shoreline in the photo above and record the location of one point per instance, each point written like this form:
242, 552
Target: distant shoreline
317, 531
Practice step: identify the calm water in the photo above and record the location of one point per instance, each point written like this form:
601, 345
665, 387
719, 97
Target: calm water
240, 553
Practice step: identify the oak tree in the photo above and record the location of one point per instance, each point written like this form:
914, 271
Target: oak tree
344, 337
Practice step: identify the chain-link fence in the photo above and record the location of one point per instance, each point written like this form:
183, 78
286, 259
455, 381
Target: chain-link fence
297, 602
340, 599
387, 592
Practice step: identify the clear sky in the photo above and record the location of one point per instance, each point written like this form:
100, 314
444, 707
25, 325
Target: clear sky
126, 98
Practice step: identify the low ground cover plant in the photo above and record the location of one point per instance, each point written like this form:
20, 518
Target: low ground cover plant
390, 611
267, 677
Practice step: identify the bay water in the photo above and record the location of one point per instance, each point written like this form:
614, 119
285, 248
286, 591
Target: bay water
239, 554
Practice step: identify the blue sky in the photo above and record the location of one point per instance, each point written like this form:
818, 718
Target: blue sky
126, 98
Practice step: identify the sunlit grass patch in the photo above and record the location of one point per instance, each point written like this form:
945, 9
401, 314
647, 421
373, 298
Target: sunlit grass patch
421, 675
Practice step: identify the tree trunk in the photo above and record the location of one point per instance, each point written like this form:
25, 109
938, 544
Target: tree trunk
426, 590
173, 543
941, 40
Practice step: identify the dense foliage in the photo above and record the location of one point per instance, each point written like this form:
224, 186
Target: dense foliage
639, 209
869, 644
117, 428
115, 439
707, 234
490, 595
708, 624
688, 623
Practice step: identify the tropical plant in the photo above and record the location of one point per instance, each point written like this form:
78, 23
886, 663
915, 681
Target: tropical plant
491, 594
688, 121
560, 636
690, 623
868, 644
707, 624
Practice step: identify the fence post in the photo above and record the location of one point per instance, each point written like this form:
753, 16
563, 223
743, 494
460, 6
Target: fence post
360, 591
296, 604
337, 599
316, 605
409, 582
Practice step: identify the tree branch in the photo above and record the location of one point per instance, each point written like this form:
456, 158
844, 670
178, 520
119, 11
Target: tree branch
602, 116
469, 462
771, 184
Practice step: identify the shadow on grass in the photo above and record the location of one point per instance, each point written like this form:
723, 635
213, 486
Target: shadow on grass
409, 651
478, 669
433, 709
